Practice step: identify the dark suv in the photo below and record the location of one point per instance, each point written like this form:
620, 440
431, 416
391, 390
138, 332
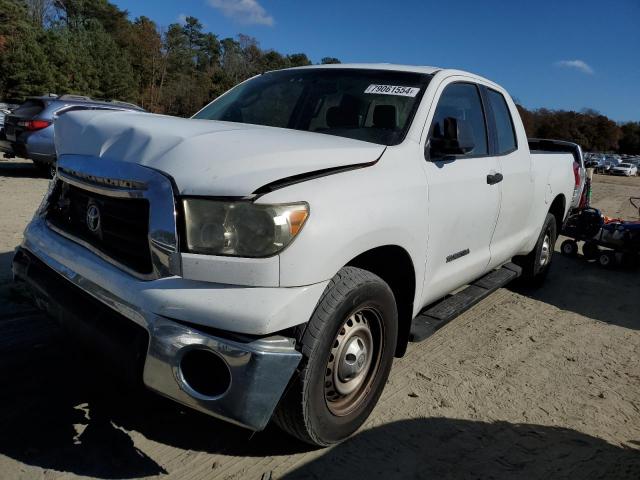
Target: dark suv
28, 129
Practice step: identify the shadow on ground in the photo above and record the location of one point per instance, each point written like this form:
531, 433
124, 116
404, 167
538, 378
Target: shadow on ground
5, 266
61, 409
21, 169
576, 285
64, 412
449, 448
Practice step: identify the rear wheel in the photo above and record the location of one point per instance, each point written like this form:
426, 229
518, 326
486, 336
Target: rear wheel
348, 349
535, 265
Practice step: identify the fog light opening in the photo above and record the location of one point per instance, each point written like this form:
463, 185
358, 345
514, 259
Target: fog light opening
205, 373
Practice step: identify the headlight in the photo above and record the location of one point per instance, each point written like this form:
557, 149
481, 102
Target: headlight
241, 229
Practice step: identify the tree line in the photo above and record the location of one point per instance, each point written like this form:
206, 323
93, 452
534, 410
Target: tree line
91, 47
593, 131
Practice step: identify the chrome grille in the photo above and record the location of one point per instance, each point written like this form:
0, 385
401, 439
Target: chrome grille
121, 226
136, 207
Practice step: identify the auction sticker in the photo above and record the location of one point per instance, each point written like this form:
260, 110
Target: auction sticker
392, 90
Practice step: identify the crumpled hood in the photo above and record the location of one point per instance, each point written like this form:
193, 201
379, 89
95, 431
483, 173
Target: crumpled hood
206, 157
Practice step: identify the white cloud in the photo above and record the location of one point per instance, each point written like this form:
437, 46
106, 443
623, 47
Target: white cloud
182, 18
243, 11
579, 65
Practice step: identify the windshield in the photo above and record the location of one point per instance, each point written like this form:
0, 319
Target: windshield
371, 105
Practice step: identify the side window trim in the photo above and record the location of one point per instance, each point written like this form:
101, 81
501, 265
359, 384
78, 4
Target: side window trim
485, 117
490, 121
494, 127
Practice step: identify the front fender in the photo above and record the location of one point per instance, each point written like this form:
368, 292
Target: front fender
356, 211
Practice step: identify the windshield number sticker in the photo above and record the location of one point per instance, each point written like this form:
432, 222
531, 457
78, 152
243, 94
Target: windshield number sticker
392, 90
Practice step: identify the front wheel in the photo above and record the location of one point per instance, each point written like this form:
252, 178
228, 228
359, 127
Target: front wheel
348, 349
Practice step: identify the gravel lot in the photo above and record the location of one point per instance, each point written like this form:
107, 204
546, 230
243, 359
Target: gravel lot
528, 384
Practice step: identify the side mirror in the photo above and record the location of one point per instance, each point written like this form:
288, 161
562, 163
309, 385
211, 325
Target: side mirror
457, 139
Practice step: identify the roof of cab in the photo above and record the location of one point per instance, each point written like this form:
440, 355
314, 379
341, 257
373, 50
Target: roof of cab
399, 68
376, 66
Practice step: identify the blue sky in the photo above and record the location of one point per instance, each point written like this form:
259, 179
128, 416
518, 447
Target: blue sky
561, 54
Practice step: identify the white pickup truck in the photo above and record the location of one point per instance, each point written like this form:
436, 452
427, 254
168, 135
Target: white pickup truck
269, 257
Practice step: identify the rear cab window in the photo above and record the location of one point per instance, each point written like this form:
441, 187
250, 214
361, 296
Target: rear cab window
505, 132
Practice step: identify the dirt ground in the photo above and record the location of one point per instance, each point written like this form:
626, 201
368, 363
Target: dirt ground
528, 384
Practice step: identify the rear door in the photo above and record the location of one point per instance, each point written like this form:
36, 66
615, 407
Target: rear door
463, 206
514, 164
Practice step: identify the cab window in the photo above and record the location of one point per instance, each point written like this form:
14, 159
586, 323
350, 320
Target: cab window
461, 101
504, 123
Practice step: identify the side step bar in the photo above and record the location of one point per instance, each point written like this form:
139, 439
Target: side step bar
439, 314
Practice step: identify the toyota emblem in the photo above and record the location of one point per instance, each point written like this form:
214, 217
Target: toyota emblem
93, 218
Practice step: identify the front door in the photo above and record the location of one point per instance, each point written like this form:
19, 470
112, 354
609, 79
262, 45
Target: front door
464, 200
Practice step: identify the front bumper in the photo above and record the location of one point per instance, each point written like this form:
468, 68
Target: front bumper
233, 308
259, 369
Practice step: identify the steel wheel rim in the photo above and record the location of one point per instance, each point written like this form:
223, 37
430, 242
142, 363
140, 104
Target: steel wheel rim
353, 361
545, 252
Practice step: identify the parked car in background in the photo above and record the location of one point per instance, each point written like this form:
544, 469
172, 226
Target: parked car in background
613, 159
604, 166
627, 169
591, 163
3, 113
29, 127
5, 109
634, 161
277, 250
595, 161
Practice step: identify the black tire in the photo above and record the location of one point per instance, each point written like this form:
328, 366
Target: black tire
569, 248
534, 271
307, 410
607, 259
590, 250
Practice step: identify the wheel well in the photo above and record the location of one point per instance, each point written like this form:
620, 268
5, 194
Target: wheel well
557, 210
393, 264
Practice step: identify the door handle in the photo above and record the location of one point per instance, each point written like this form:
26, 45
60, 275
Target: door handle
494, 178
